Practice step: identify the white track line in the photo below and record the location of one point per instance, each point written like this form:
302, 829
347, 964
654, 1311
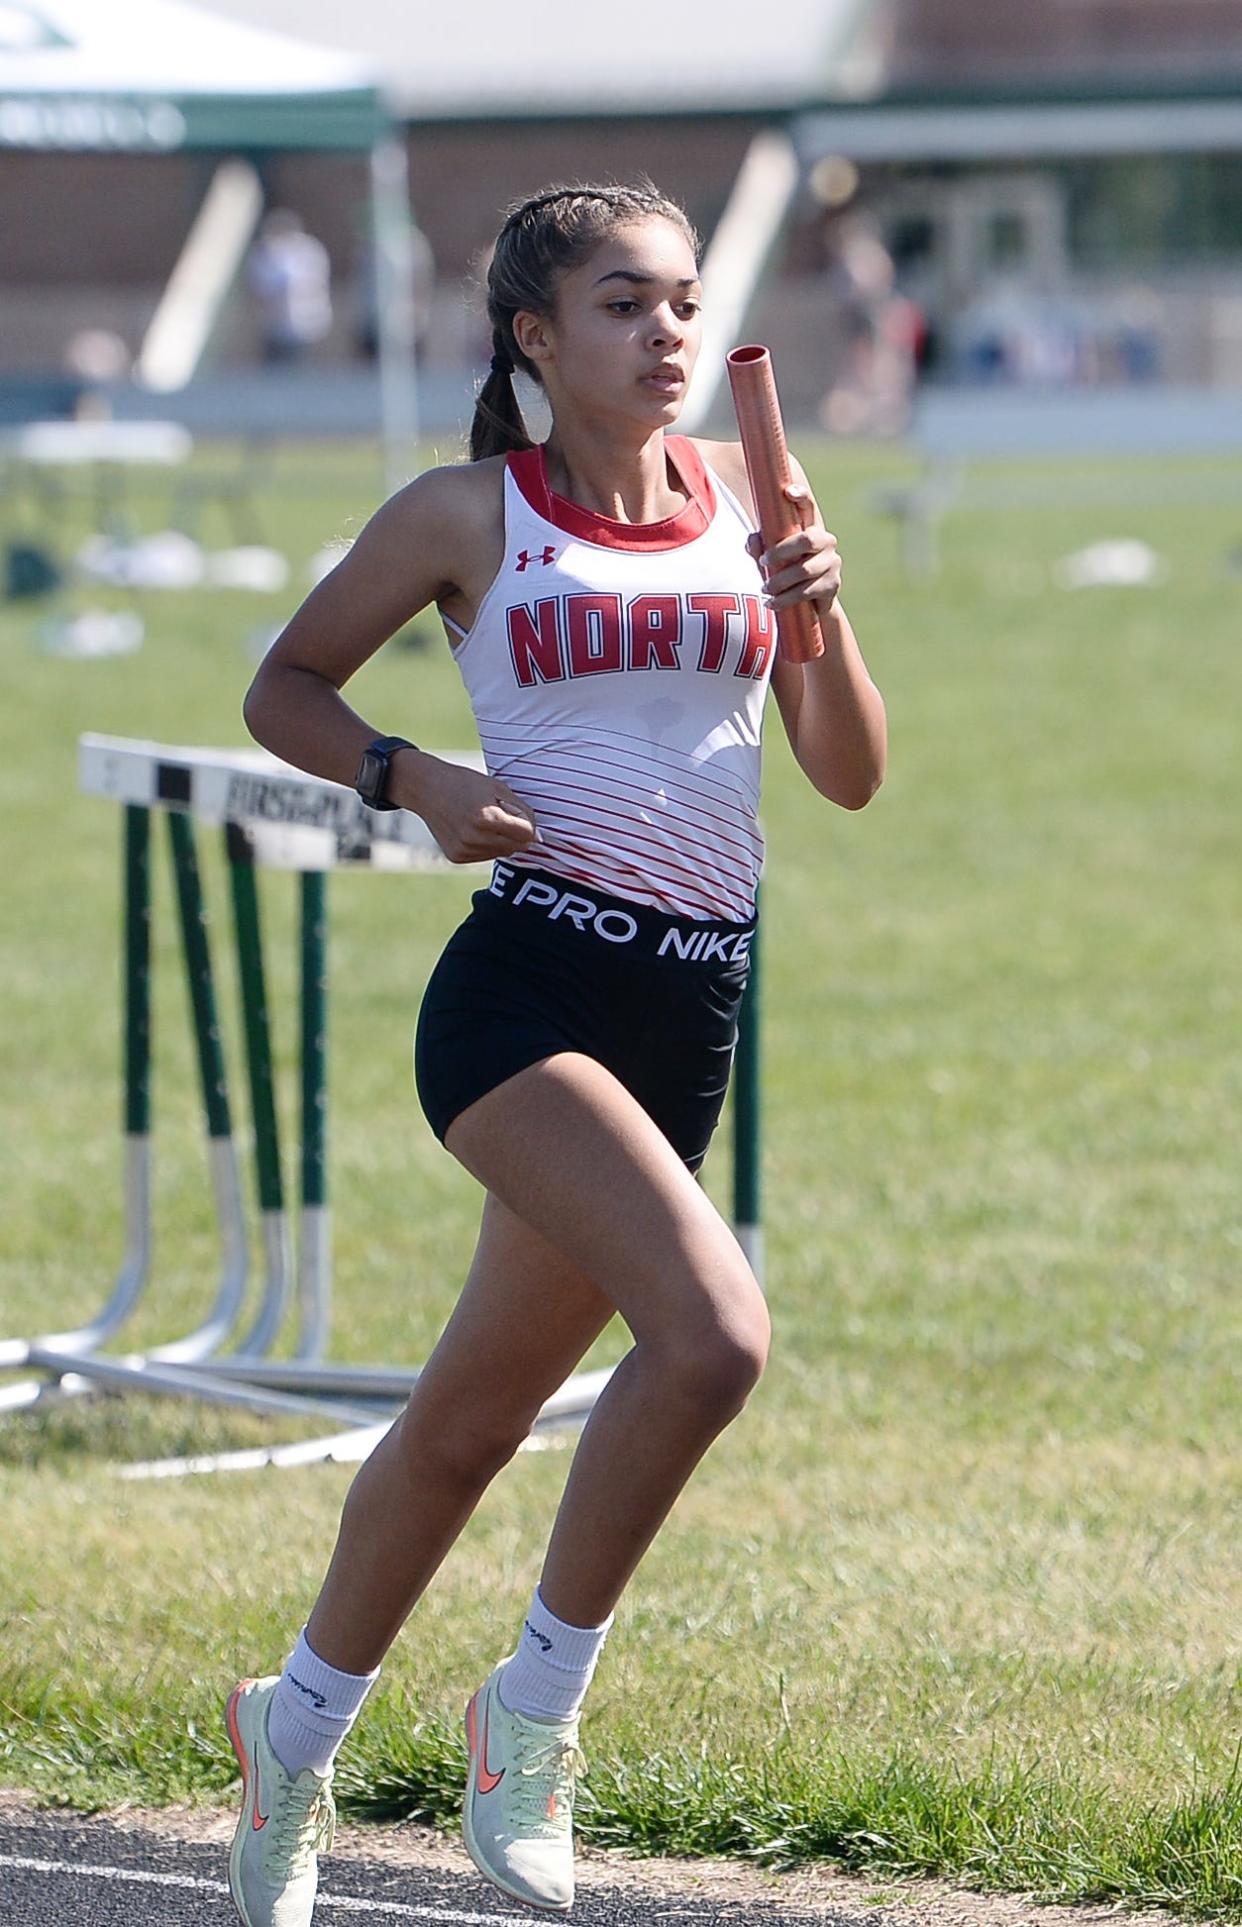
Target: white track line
339, 1903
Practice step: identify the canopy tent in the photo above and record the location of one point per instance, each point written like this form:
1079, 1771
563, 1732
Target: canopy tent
156, 76
153, 75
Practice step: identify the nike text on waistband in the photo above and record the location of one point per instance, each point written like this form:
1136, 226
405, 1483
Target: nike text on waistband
653, 932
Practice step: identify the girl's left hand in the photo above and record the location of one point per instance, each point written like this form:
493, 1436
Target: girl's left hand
805, 567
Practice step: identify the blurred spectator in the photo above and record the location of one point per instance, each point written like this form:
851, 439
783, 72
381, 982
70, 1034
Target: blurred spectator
1014, 335
366, 289
100, 361
290, 279
1011, 333
1136, 336
884, 334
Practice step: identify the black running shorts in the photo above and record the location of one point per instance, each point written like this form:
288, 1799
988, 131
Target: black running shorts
542, 965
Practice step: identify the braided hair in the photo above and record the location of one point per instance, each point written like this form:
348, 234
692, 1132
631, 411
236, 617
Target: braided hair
542, 238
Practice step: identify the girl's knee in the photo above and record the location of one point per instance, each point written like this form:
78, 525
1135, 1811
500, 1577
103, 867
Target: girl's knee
718, 1362
745, 1352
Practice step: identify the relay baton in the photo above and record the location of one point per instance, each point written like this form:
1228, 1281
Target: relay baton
767, 464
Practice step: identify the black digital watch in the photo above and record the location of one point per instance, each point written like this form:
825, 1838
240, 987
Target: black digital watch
371, 782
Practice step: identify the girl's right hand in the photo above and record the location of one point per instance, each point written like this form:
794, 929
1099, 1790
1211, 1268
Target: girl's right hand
472, 816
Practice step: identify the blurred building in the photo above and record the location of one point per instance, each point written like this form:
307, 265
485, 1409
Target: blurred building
1057, 187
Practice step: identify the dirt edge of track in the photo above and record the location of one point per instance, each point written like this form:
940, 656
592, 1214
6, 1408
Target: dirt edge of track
814, 1892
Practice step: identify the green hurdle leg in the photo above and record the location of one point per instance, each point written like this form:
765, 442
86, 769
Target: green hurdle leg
214, 1086
314, 1244
136, 1261
137, 971
747, 1124
136, 1118
136, 1110
272, 1215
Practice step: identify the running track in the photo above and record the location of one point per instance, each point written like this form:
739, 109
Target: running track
58, 1870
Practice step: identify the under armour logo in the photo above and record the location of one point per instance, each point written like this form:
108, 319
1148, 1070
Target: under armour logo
526, 558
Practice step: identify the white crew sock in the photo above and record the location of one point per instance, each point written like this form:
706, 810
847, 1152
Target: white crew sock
313, 1709
548, 1676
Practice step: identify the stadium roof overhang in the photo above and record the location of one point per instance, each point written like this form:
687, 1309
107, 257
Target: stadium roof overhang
1002, 126
152, 76
565, 61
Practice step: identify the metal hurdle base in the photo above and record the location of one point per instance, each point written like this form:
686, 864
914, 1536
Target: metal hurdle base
274, 817
564, 1412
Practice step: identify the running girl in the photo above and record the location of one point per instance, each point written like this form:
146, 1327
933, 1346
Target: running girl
604, 594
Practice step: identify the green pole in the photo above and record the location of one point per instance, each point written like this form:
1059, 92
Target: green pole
131, 1280
198, 973
314, 1245
314, 1037
747, 1124
137, 970
255, 1017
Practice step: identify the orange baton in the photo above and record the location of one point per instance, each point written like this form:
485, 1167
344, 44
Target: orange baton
767, 464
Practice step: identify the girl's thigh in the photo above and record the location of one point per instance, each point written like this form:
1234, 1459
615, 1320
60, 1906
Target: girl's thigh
568, 1150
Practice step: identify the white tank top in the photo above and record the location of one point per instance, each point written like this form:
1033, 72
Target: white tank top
617, 672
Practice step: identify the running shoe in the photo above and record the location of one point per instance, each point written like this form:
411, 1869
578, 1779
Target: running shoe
285, 1823
518, 1818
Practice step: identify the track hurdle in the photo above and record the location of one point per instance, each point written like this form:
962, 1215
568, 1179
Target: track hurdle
272, 816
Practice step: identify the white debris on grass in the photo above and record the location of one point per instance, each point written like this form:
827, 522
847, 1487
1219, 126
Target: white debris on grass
1121, 563
263, 570
93, 632
168, 560
173, 560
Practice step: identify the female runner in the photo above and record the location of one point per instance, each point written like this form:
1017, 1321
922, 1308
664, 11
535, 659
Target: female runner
605, 597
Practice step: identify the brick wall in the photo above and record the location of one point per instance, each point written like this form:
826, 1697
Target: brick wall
121, 218
463, 178
90, 239
938, 42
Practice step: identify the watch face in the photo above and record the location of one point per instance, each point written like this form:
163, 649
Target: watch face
371, 772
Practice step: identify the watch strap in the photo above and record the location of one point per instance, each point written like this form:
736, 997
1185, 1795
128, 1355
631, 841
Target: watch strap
371, 782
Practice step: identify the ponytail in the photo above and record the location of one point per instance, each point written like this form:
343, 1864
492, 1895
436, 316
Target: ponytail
541, 239
498, 426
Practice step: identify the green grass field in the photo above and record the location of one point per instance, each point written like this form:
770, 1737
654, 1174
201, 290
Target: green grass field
961, 1591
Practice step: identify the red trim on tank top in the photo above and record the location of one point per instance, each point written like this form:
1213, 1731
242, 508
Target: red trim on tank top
528, 467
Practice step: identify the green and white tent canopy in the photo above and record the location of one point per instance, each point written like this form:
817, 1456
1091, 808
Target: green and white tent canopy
152, 76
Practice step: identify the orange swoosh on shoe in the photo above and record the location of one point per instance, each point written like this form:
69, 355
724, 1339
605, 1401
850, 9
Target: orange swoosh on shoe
243, 1758
260, 1820
488, 1781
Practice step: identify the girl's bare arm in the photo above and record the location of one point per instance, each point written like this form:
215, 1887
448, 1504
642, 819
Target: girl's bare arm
441, 536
